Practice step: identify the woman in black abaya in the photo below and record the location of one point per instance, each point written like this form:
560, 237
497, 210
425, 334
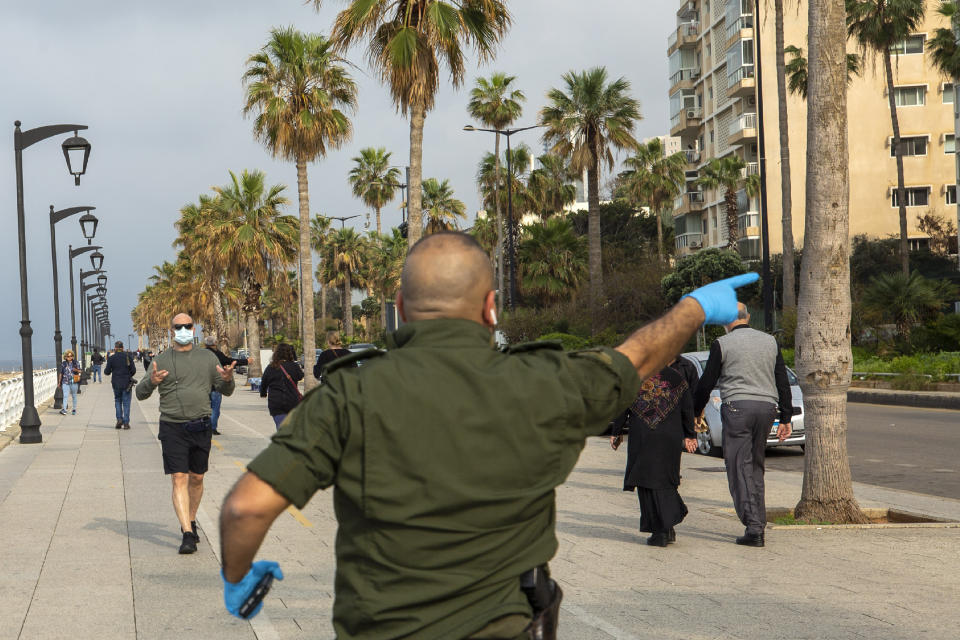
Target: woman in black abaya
661, 424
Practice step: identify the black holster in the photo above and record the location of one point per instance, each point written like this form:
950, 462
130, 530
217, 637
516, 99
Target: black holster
544, 595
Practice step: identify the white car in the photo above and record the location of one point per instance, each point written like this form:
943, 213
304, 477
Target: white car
357, 347
709, 443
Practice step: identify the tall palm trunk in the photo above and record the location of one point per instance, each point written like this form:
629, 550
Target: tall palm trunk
307, 327
499, 216
378, 221
251, 311
786, 189
219, 323
383, 312
659, 215
824, 358
347, 305
733, 225
415, 189
593, 243
901, 192
323, 307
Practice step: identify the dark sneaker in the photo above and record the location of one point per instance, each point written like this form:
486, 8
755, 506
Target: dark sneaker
657, 540
215, 432
63, 412
126, 425
750, 540
193, 530
119, 424
672, 535
189, 544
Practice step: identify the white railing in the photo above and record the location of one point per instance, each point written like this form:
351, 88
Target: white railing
11, 394
742, 23
686, 240
744, 72
684, 74
752, 168
744, 122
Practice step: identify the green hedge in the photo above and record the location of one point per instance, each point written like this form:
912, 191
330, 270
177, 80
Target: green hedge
936, 365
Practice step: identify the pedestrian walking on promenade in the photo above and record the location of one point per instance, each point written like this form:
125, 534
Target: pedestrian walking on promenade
279, 383
184, 376
333, 352
747, 367
69, 380
445, 454
661, 424
96, 365
121, 369
147, 359
216, 398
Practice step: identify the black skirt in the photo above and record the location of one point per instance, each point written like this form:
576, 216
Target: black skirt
660, 509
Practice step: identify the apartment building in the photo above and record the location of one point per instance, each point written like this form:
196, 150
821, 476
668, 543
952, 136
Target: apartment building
713, 107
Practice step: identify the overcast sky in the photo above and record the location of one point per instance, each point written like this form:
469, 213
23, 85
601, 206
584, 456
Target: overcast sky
158, 83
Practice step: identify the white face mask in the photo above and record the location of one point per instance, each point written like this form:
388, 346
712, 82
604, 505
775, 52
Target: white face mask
183, 336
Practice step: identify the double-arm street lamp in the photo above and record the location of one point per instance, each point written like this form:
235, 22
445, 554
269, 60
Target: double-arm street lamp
88, 225
76, 151
342, 219
511, 248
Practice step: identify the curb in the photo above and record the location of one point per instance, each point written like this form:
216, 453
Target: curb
924, 399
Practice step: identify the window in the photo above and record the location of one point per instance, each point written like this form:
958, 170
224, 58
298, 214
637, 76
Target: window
951, 197
948, 144
910, 96
916, 197
947, 93
910, 45
911, 146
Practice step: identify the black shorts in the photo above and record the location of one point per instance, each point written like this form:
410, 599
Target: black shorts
184, 451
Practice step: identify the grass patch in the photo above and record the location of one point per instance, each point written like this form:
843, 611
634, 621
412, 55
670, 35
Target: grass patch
790, 520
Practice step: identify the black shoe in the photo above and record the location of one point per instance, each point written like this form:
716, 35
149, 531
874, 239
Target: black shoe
751, 539
672, 535
126, 425
119, 424
657, 540
189, 544
215, 432
193, 530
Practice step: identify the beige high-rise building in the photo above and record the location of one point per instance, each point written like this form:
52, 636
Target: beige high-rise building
713, 108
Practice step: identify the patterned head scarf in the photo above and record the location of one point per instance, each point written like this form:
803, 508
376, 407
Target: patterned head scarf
659, 396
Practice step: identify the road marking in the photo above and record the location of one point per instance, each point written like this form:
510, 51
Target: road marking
874, 460
598, 623
214, 442
292, 510
943, 471
905, 464
240, 464
240, 424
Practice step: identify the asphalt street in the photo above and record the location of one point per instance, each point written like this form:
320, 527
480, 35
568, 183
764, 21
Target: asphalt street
904, 448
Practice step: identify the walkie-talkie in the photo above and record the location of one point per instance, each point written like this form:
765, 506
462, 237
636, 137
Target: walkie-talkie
256, 596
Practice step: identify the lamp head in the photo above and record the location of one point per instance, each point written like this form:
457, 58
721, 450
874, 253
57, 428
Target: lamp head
76, 150
88, 225
469, 127
96, 259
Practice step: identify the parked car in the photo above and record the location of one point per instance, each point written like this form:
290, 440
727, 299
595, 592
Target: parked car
710, 442
357, 347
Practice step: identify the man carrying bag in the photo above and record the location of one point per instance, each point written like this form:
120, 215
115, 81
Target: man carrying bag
120, 368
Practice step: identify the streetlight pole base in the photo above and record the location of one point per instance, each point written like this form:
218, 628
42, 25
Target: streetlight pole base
58, 398
30, 426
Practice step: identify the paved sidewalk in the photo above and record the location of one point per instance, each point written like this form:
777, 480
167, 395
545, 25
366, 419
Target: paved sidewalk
90, 550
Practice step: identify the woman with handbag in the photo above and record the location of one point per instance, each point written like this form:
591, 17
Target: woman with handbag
69, 380
279, 383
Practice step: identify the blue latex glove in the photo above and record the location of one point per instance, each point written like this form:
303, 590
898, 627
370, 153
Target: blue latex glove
236, 593
719, 299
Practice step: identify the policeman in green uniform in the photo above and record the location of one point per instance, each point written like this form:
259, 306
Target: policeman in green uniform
445, 454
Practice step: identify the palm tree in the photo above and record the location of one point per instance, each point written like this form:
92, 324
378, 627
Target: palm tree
300, 90
825, 363
551, 186
319, 231
877, 26
485, 230
553, 260
373, 179
906, 299
655, 179
726, 174
346, 253
497, 106
386, 263
257, 243
796, 70
406, 44
441, 208
585, 124
508, 187
786, 187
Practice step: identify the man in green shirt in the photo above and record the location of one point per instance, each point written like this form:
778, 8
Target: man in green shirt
445, 454
184, 376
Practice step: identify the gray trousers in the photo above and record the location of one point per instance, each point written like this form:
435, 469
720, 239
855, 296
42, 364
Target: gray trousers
746, 425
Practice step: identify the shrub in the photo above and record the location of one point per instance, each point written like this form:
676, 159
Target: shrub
570, 343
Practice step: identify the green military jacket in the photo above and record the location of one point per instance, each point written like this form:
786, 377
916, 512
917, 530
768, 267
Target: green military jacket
444, 454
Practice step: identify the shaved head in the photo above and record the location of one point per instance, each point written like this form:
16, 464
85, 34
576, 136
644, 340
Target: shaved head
182, 318
446, 275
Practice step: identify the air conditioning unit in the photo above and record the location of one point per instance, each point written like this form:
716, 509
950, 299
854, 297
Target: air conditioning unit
695, 73
691, 113
695, 245
752, 101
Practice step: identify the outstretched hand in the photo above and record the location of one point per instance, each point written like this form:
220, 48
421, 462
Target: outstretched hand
719, 299
157, 375
226, 373
690, 444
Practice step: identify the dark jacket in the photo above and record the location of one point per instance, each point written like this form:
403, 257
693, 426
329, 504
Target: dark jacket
326, 357
280, 394
226, 360
96, 358
120, 368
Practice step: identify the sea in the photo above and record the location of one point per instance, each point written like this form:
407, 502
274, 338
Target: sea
39, 362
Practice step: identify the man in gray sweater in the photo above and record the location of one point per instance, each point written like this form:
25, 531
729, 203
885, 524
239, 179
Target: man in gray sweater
748, 368
184, 376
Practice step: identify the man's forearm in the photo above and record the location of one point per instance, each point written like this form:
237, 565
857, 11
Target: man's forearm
655, 345
245, 518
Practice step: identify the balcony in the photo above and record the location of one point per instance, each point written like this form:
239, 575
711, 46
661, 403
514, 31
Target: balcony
752, 169
687, 10
693, 156
684, 79
688, 118
748, 223
743, 128
739, 29
688, 242
688, 203
685, 36
741, 82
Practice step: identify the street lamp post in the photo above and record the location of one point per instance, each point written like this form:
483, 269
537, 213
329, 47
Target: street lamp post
30, 419
343, 219
96, 260
88, 225
511, 248
84, 317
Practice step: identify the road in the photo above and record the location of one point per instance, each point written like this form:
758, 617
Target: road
896, 447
